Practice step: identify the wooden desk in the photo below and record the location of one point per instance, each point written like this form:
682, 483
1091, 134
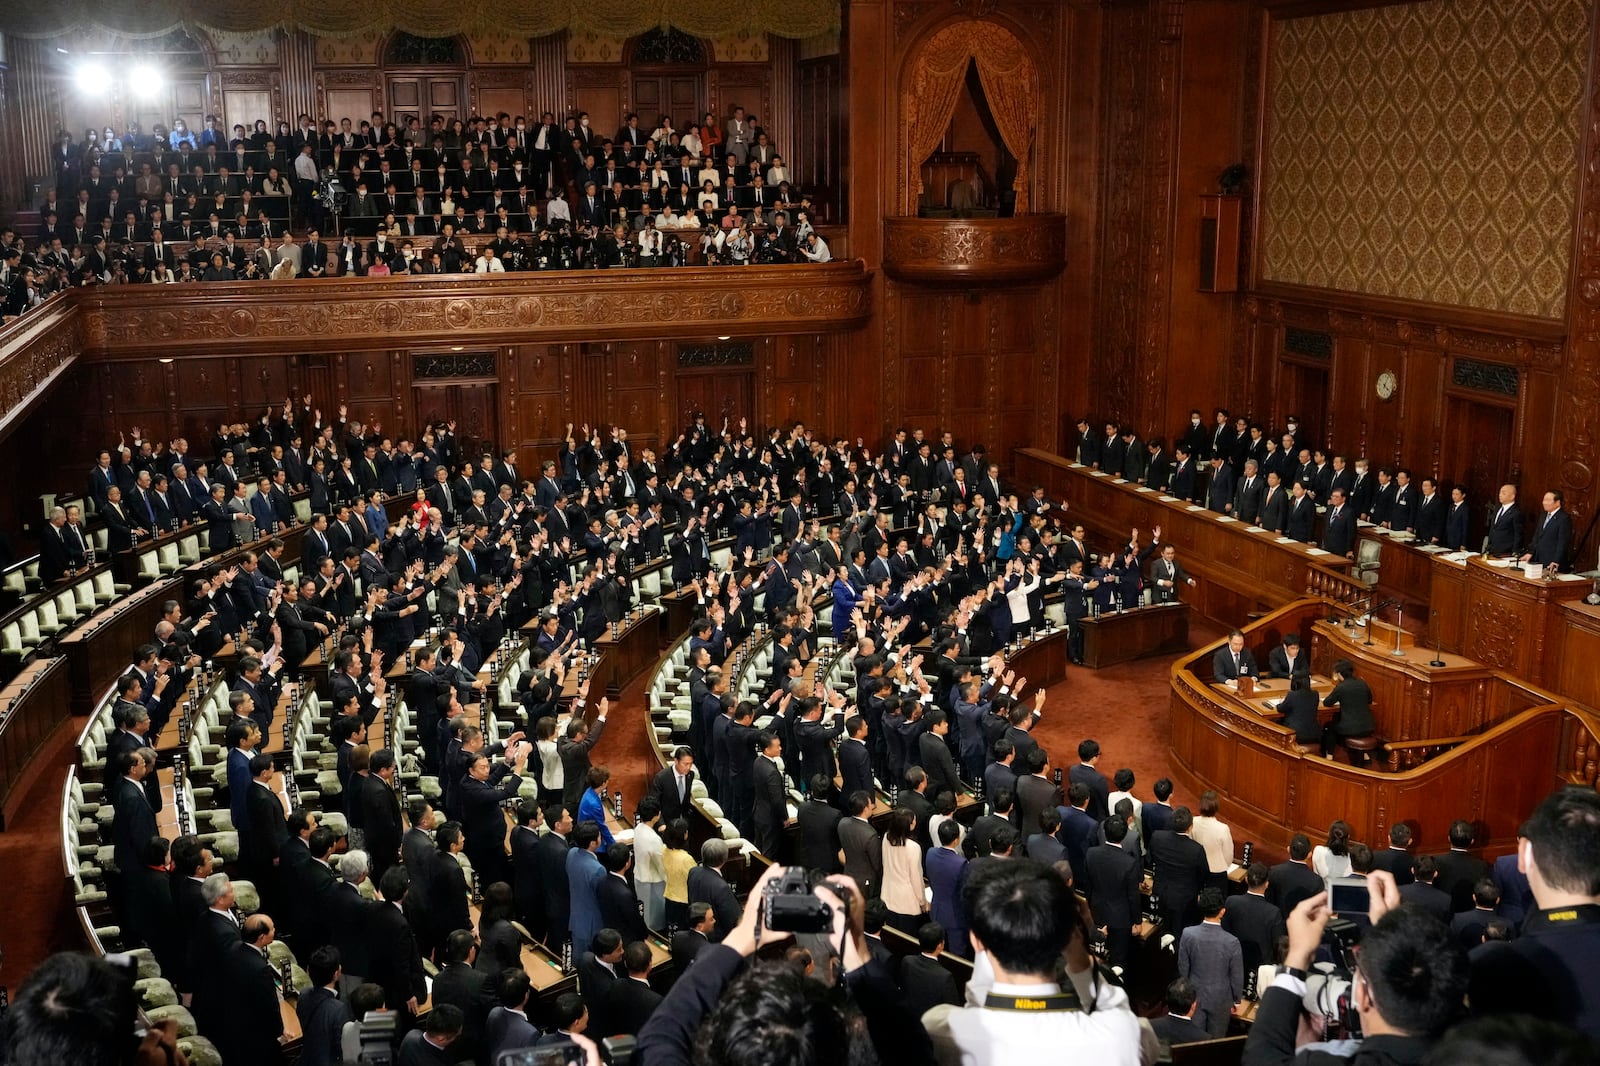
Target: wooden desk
1513, 621
1270, 791
1405, 570
1237, 572
1122, 636
32, 707
1579, 651
101, 649
1042, 660
628, 651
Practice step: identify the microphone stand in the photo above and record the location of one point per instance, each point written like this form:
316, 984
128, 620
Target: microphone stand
1372, 609
1399, 622
1434, 624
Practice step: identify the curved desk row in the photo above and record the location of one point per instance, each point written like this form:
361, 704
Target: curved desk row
1497, 745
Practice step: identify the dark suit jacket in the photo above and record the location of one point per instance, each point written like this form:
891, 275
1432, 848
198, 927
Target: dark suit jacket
1458, 872
665, 790
769, 810
1222, 668
1552, 539
1248, 496
863, 853
1257, 924
1505, 531
1340, 535
556, 890
629, 1004
709, 886
1397, 861
1435, 901
1278, 663
1291, 882
462, 986
1034, 795
248, 1024
1180, 870
322, 1016
505, 1030
1354, 700
1077, 833
819, 836
1099, 790
1299, 710
1456, 524
1219, 495
1111, 878
1175, 1029
132, 825
1302, 519
393, 959
925, 983
934, 757
619, 909
686, 944
380, 811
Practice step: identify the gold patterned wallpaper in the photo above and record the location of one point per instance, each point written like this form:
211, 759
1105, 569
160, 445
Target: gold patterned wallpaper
1427, 152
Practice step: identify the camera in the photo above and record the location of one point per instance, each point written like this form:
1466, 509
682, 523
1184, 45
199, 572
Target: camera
1349, 896
614, 1051
789, 906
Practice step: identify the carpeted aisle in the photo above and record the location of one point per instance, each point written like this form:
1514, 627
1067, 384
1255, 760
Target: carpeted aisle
1124, 708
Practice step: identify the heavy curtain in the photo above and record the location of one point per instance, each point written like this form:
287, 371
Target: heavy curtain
1010, 82
426, 18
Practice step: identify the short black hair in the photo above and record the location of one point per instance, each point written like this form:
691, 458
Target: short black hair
1181, 995
1023, 913
1416, 969
930, 935
1163, 789
1564, 833
324, 963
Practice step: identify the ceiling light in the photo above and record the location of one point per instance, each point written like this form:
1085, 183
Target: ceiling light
91, 78
168, 359
725, 337
457, 348
146, 80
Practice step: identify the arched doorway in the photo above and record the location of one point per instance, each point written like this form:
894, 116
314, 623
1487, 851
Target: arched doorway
668, 73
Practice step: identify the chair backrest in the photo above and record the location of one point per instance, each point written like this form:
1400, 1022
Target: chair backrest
66, 607
11, 638
168, 556
83, 592
150, 565
30, 627
45, 611
104, 584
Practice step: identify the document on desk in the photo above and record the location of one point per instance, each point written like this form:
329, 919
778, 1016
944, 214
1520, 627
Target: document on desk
1119, 481
1074, 466
1195, 507
1316, 551
1226, 518
1571, 577
1256, 529
1362, 523
1099, 473
1145, 488
1283, 540
1432, 549
1167, 499
1458, 557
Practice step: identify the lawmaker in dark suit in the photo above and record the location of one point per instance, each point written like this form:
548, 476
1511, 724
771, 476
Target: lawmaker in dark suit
707, 885
924, 982
673, 787
1248, 496
619, 907
1255, 920
1234, 659
322, 1013
769, 809
1183, 476
818, 847
1289, 659
1299, 710
1457, 520
1302, 517
1180, 870
1290, 882
133, 822
249, 1022
1112, 878
630, 1000
380, 812
469, 990
1552, 539
1219, 494
393, 960
1505, 526
1354, 699
1339, 537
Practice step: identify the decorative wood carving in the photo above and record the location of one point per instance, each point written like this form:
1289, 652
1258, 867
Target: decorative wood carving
831, 297
36, 351
1578, 408
1030, 248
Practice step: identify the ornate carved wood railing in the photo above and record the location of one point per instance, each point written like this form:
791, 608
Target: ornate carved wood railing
1028, 248
1270, 790
1580, 747
1333, 585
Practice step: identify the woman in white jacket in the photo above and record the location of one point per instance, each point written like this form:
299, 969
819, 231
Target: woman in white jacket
1022, 621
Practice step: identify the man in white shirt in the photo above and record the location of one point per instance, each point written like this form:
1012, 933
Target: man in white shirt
650, 863
1014, 1005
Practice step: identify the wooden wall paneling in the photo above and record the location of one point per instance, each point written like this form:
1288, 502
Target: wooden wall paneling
352, 94
297, 53
369, 378
243, 106
814, 148
599, 91
743, 85
264, 381
631, 404
782, 118
540, 411
547, 75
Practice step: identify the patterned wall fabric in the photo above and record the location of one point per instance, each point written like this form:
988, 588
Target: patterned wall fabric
1427, 152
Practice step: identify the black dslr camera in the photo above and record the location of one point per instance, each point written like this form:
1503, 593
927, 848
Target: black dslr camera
788, 905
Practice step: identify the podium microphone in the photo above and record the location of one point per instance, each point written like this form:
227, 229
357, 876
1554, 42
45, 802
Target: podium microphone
1434, 625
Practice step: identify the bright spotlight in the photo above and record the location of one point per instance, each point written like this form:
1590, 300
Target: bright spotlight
146, 80
91, 78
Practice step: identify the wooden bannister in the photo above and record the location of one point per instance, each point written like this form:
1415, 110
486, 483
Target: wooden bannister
1580, 745
1328, 584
